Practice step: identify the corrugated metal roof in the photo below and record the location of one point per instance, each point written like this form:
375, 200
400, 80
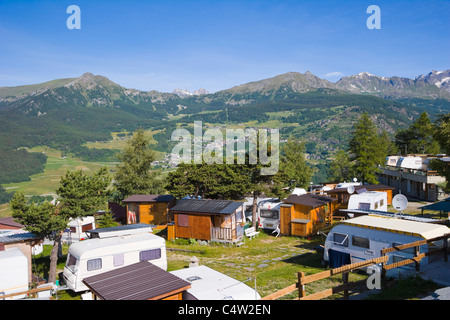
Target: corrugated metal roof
149, 198
207, 206
310, 200
139, 281
18, 237
131, 228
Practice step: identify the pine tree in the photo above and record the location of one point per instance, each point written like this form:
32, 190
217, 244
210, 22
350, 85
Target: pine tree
419, 137
134, 174
366, 150
294, 169
341, 169
79, 196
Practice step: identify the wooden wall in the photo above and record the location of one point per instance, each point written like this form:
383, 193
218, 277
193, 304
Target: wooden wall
151, 212
317, 217
199, 227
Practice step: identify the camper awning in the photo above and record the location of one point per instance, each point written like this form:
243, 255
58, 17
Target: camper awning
414, 228
438, 206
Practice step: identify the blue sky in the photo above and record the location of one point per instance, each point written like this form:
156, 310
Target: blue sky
217, 44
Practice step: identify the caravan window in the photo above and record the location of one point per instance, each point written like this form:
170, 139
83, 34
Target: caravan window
340, 239
94, 264
150, 254
364, 206
361, 242
271, 214
118, 260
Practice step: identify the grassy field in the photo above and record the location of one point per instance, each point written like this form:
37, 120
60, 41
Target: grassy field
47, 182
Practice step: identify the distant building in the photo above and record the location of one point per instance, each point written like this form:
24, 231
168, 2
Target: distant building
411, 175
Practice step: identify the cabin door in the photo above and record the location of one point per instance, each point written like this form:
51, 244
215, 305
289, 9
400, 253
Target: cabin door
285, 220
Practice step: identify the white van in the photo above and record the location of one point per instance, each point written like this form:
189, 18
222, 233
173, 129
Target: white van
94, 256
363, 238
269, 214
369, 200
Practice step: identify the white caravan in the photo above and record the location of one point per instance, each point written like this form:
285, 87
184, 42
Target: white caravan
76, 229
369, 200
363, 238
94, 256
269, 214
209, 284
13, 273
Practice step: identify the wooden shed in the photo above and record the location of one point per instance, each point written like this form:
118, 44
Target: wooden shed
139, 281
303, 215
211, 220
149, 209
342, 195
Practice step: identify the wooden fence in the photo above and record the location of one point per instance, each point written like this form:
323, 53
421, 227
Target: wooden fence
344, 270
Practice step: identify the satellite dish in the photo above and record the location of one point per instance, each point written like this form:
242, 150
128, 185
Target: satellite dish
400, 202
350, 189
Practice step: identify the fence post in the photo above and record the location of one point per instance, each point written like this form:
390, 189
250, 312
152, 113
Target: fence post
416, 254
445, 249
345, 281
383, 271
301, 287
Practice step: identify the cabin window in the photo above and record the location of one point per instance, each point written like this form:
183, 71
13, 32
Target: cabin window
94, 264
376, 205
73, 229
271, 214
152, 254
340, 239
361, 242
364, 206
381, 202
183, 220
118, 260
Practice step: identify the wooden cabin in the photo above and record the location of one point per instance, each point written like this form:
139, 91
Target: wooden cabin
211, 220
342, 195
303, 215
149, 209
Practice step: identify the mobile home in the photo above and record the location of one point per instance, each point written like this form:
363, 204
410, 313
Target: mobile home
13, 273
76, 229
369, 200
269, 214
209, 284
94, 256
363, 238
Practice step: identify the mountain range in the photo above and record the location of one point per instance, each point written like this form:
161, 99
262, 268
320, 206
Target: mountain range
67, 113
